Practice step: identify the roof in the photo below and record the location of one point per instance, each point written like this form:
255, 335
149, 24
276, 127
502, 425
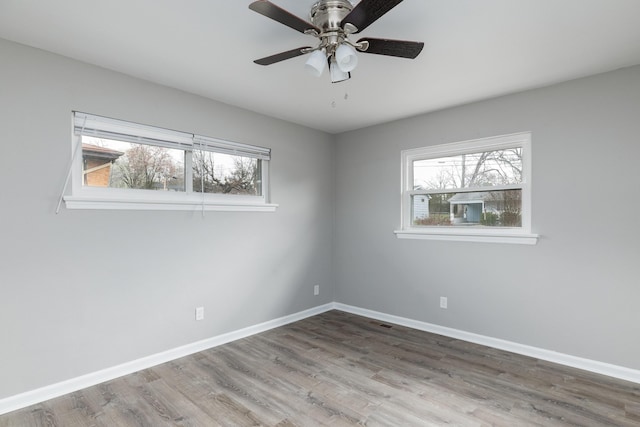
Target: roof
477, 197
90, 150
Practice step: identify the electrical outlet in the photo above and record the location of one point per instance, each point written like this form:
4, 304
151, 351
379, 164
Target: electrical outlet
443, 302
316, 290
199, 313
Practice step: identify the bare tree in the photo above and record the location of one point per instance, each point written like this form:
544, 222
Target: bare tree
486, 169
245, 176
238, 175
204, 176
492, 168
145, 167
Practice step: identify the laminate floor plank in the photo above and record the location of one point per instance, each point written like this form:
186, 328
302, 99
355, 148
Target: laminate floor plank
127, 406
28, 417
292, 398
190, 389
174, 407
73, 409
236, 393
340, 369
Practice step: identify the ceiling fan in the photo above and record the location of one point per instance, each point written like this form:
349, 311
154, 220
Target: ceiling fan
332, 22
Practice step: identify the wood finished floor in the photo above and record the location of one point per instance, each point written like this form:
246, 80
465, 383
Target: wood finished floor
340, 369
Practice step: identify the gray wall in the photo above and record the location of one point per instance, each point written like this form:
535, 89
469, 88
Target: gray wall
577, 290
86, 290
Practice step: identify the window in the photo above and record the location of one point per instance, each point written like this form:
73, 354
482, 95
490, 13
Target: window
123, 165
476, 190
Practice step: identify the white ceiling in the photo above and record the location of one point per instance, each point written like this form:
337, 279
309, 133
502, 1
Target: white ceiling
474, 49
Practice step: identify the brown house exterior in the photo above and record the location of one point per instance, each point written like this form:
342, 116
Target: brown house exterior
96, 164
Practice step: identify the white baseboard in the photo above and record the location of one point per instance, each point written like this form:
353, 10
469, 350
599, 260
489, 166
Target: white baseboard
32, 397
610, 370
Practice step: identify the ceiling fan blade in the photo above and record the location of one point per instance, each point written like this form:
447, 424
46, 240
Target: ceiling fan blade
400, 48
268, 60
276, 13
367, 12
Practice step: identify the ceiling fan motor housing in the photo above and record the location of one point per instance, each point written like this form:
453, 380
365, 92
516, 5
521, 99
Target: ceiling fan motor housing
328, 14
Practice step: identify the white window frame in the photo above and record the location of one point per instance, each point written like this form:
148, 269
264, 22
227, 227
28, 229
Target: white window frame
518, 235
85, 197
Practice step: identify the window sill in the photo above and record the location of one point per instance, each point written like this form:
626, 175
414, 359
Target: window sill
78, 202
483, 236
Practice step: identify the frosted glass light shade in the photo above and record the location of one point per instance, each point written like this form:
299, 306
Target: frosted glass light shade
316, 63
346, 58
337, 75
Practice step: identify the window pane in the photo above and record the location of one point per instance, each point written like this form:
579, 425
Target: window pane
489, 168
118, 164
226, 174
483, 208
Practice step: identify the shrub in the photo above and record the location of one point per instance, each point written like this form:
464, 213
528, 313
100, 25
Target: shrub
511, 219
434, 219
489, 218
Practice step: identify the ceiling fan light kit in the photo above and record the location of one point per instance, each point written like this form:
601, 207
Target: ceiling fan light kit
346, 57
316, 63
332, 22
337, 74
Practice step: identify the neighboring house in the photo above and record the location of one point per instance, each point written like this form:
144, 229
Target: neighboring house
471, 207
421, 206
97, 163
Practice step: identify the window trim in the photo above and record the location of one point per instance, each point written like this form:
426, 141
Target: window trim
84, 197
517, 235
